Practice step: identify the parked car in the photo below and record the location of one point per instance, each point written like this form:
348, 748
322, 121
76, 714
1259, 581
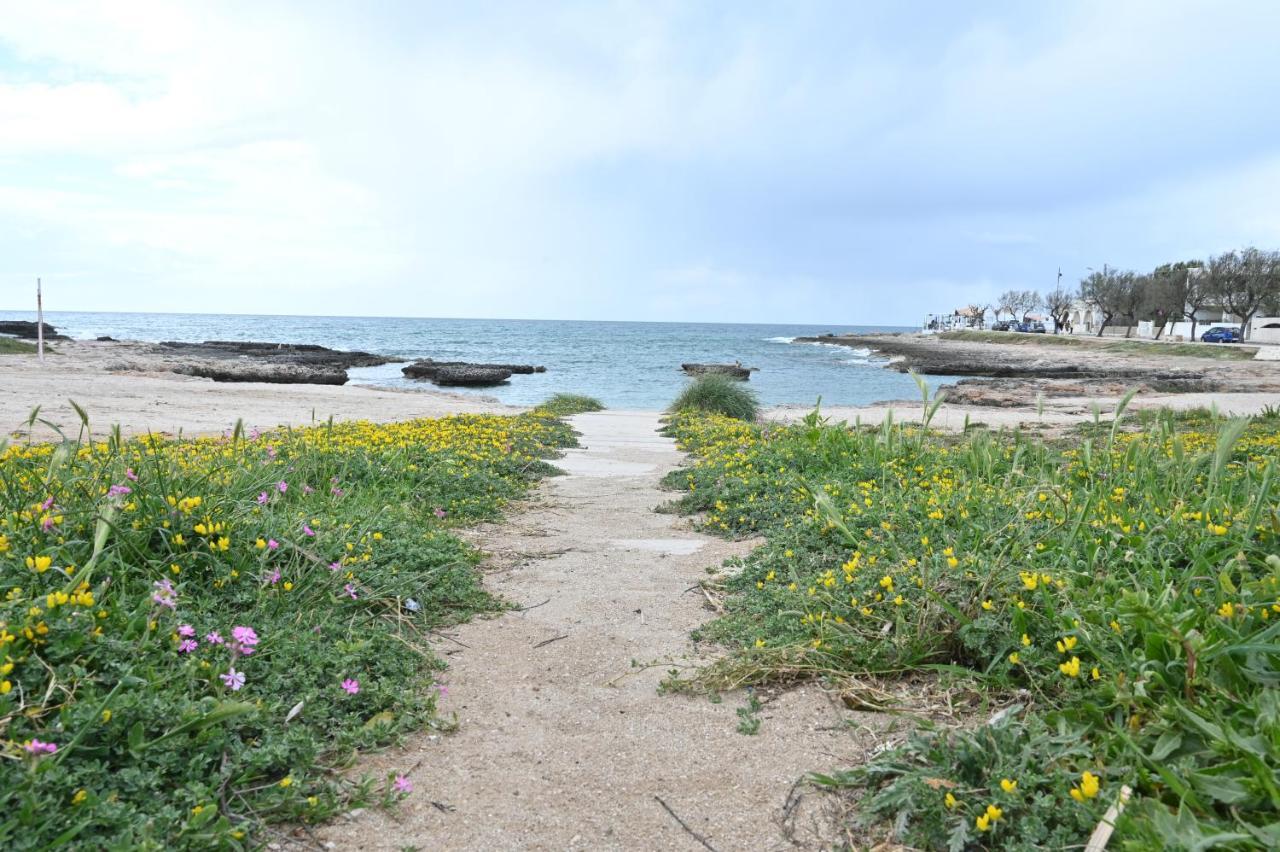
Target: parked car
1002, 325
1037, 328
1221, 334
1023, 327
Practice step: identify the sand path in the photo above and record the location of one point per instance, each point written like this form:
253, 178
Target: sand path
563, 744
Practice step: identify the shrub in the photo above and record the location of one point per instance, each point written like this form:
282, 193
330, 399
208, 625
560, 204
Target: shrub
568, 404
717, 394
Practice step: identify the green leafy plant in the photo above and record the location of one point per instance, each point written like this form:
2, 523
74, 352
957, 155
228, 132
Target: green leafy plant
568, 404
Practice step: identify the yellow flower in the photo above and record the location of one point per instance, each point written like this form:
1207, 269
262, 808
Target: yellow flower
1026, 641
1066, 644
5, 687
994, 812
80, 796
40, 564
261, 544
950, 801
983, 822
286, 781
1090, 784
1071, 668
106, 716
760, 643
197, 810
987, 605
1095, 673
1226, 610
1014, 658
1008, 785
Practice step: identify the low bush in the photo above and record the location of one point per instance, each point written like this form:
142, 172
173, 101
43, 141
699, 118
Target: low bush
196, 635
717, 394
568, 404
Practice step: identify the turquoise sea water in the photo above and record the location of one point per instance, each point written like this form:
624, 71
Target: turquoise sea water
625, 364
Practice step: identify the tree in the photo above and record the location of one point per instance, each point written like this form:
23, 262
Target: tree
1112, 292
1172, 286
1008, 301
1131, 298
978, 312
1242, 281
1028, 300
1059, 302
1197, 295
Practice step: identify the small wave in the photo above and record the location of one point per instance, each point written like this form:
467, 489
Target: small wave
779, 340
855, 361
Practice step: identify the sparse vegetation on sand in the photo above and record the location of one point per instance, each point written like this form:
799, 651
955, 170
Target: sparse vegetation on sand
196, 636
14, 346
717, 394
568, 404
1155, 348
1107, 603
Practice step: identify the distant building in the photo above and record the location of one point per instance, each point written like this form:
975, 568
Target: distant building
959, 319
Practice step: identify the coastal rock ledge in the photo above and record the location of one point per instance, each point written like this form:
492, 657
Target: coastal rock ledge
463, 373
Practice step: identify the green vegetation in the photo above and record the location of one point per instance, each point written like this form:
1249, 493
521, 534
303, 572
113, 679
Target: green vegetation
568, 404
14, 346
1155, 348
1112, 596
717, 394
197, 636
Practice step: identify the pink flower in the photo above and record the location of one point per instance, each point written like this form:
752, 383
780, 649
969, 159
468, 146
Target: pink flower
186, 646
350, 590
271, 452
38, 747
47, 523
186, 630
335, 491
119, 490
46, 506
164, 594
403, 785
272, 544
263, 498
306, 530
334, 566
307, 489
282, 486
275, 577
440, 513
213, 637
351, 685
233, 679
244, 635
130, 475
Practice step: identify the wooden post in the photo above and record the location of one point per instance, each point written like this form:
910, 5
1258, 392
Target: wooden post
39, 322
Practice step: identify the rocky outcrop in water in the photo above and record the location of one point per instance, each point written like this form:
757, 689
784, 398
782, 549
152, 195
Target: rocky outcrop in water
307, 354
733, 371
28, 330
465, 373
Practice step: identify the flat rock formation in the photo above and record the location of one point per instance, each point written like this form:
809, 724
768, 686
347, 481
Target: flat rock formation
733, 371
1016, 371
463, 373
307, 354
28, 330
279, 374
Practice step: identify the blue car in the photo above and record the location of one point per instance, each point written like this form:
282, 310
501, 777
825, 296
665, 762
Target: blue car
1221, 334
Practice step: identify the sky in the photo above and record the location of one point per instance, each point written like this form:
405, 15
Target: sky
818, 162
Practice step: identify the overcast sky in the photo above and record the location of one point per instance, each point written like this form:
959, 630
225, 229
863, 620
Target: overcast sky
824, 162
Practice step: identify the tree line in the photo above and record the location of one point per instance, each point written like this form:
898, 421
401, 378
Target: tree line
1244, 283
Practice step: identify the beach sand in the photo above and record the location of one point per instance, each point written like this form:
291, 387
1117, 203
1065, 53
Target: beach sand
118, 383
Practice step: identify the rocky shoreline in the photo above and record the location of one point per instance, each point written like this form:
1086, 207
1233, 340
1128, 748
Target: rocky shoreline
1011, 374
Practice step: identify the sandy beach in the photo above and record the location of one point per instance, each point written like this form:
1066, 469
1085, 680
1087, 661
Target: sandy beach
121, 383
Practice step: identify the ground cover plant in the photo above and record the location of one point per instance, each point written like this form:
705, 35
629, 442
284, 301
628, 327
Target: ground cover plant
1116, 592
718, 394
568, 404
196, 635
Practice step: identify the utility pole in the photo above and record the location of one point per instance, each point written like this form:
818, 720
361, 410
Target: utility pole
39, 322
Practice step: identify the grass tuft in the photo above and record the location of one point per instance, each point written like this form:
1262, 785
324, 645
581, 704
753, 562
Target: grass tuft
14, 346
568, 404
716, 394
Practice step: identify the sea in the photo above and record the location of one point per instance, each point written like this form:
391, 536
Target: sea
626, 365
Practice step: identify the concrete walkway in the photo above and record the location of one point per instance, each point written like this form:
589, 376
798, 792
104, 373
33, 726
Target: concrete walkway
562, 743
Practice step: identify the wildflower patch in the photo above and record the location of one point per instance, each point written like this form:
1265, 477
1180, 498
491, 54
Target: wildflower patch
195, 634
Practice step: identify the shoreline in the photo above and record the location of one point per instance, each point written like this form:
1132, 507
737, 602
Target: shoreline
123, 383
